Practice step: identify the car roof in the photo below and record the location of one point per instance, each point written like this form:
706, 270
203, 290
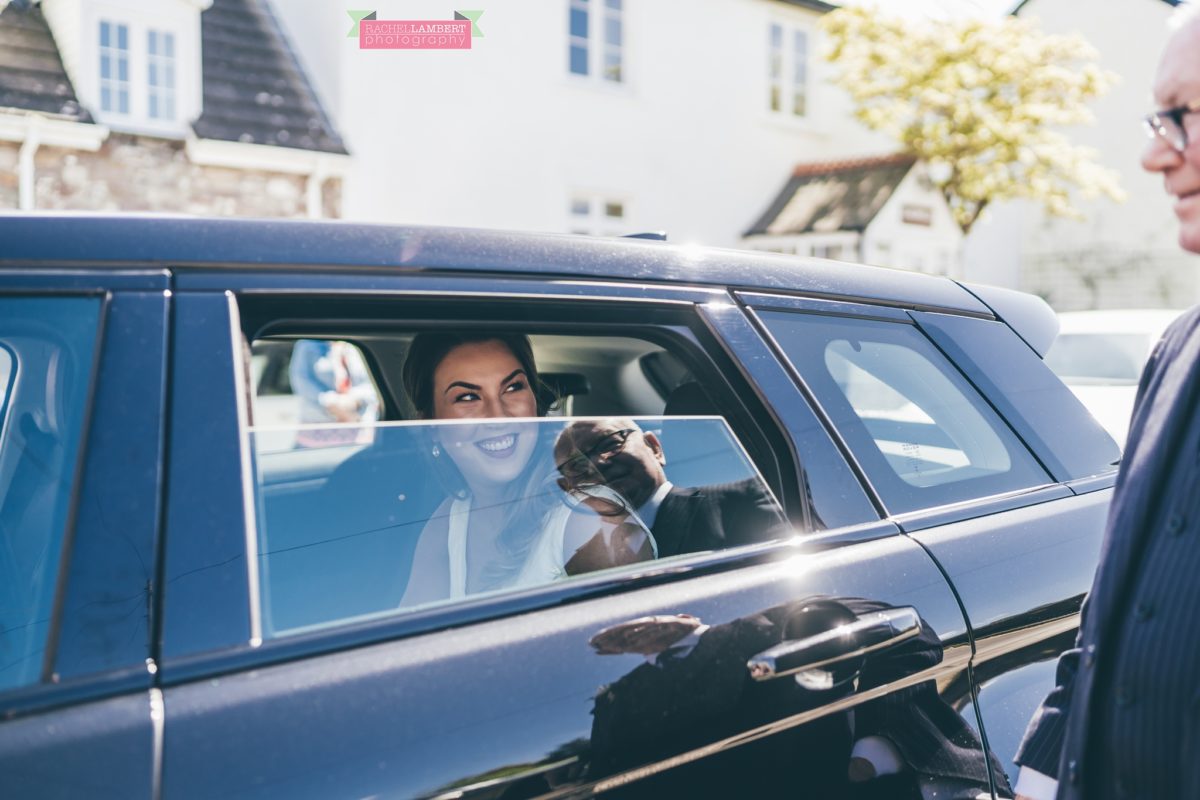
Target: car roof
181, 242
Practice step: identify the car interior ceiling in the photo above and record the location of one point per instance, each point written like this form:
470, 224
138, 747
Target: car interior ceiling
585, 375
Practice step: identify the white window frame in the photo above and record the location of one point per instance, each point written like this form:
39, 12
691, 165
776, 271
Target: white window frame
789, 77
596, 45
588, 213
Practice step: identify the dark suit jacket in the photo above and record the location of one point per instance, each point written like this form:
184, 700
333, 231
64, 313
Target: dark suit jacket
1056, 740
715, 517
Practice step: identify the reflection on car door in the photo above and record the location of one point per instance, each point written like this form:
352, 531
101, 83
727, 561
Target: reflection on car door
527, 698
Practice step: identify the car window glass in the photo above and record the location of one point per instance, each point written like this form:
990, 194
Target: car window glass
919, 429
406, 515
46, 355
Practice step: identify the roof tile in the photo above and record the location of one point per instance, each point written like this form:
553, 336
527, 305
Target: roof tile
254, 88
32, 77
833, 196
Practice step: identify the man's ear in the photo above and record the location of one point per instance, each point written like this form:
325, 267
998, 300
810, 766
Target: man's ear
655, 447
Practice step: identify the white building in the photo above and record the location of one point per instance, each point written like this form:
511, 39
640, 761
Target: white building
599, 116
884, 211
1122, 254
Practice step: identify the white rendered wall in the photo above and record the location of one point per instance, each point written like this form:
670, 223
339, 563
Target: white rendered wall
889, 241
503, 135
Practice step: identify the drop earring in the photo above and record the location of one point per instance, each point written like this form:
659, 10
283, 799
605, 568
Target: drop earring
437, 451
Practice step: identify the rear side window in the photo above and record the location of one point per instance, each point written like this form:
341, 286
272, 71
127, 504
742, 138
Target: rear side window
917, 427
520, 462
46, 353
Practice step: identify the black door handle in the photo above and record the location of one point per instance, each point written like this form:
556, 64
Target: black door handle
866, 634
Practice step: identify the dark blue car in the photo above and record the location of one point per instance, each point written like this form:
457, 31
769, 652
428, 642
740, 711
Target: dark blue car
217, 502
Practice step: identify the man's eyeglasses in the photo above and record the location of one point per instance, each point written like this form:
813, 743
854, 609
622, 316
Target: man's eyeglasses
1168, 125
582, 464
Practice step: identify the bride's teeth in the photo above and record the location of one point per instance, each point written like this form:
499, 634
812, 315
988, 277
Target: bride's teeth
498, 444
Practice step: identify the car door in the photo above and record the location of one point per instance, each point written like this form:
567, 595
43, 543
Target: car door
547, 691
82, 359
1020, 555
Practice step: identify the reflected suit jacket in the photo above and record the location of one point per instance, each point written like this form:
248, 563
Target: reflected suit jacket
674, 704
1057, 737
715, 517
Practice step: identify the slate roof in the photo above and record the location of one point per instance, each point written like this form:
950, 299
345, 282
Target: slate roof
31, 71
833, 196
254, 88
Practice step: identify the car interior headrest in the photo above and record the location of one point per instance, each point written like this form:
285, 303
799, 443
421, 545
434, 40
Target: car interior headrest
689, 399
557, 386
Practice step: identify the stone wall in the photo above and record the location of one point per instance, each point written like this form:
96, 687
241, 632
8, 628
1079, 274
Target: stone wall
138, 173
1099, 277
9, 185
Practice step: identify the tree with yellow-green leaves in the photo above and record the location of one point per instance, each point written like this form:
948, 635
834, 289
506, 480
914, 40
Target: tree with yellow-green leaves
983, 103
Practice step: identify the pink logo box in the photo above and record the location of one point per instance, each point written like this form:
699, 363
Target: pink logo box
414, 34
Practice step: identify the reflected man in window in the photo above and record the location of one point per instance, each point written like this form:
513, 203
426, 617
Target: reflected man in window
617, 454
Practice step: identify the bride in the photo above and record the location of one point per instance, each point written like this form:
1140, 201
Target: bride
506, 524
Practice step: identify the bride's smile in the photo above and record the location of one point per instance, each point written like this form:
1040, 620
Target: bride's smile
499, 446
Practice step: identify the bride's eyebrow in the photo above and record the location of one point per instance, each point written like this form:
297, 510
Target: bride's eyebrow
473, 387
468, 386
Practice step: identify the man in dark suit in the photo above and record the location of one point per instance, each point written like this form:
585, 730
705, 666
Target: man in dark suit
1124, 719
617, 454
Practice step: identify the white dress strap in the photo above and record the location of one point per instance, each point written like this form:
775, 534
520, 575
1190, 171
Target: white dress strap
543, 563
456, 542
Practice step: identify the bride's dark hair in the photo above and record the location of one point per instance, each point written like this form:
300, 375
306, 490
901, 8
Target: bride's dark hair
529, 496
428, 349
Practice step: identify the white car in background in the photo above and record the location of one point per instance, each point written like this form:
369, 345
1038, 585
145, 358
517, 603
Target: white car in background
1100, 355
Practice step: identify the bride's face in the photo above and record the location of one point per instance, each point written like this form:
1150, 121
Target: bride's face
483, 384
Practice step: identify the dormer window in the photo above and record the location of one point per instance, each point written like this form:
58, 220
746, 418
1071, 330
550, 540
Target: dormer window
143, 69
114, 67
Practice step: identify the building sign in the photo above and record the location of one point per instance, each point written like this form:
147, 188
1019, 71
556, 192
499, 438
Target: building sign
913, 214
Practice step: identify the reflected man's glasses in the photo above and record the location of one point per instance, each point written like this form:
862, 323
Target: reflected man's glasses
1168, 125
582, 464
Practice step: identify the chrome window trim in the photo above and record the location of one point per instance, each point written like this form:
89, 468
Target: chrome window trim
240, 368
